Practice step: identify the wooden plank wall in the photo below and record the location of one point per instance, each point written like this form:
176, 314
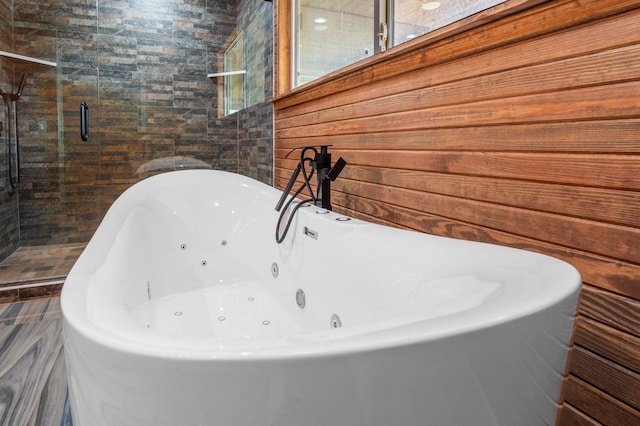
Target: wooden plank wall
524, 131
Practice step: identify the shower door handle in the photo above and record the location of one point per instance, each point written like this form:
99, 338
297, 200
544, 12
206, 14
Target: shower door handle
84, 121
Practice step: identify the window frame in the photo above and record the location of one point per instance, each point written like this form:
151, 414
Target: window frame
231, 76
284, 43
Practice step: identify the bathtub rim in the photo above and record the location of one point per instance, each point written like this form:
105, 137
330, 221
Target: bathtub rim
562, 293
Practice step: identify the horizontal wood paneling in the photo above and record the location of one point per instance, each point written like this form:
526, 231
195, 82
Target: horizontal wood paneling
606, 375
590, 103
574, 72
599, 204
606, 358
613, 310
569, 416
523, 131
583, 137
602, 407
616, 241
620, 172
609, 342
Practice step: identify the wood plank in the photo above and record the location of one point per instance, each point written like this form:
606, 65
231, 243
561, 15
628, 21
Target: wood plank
622, 65
535, 22
465, 199
613, 310
598, 405
610, 240
608, 342
570, 416
606, 205
598, 136
595, 170
607, 376
591, 103
621, 172
282, 48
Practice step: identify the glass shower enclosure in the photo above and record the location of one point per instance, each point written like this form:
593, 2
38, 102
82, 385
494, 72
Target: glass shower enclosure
113, 92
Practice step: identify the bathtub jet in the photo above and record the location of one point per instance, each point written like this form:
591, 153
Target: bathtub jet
184, 310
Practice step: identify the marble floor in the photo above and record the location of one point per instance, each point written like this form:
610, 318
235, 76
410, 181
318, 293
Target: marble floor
33, 384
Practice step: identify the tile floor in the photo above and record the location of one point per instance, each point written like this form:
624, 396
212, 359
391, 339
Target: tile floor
33, 383
38, 271
37, 263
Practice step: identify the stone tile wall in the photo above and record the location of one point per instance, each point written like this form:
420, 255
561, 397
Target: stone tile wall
9, 229
255, 142
255, 128
141, 67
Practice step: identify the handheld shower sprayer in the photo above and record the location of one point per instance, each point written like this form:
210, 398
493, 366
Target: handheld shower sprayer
11, 97
287, 189
13, 159
306, 176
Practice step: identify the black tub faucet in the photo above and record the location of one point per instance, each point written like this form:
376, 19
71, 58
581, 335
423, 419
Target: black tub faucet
325, 174
320, 165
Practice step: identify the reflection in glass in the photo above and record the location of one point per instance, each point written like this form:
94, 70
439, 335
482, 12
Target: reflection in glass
413, 18
330, 35
234, 83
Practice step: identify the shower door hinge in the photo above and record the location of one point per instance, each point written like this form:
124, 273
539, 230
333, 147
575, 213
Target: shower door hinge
383, 36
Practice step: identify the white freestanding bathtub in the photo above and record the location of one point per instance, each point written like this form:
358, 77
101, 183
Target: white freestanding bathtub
183, 310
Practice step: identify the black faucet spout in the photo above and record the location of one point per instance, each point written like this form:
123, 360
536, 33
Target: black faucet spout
325, 173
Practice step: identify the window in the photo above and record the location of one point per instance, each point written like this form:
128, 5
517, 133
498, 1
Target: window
234, 71
245, 64
331, 34
412, 18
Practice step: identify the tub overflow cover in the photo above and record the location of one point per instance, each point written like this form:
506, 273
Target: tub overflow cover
301, 299
335, 321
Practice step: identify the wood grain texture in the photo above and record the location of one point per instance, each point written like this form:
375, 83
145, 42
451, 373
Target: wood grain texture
609, 342
613, 310
615, 380
602, 407
282, 43
570, 416
561, 137
33, 381
521, 130
573, 72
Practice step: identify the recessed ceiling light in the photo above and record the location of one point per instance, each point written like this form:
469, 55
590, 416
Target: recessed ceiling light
320, 20
430, 5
